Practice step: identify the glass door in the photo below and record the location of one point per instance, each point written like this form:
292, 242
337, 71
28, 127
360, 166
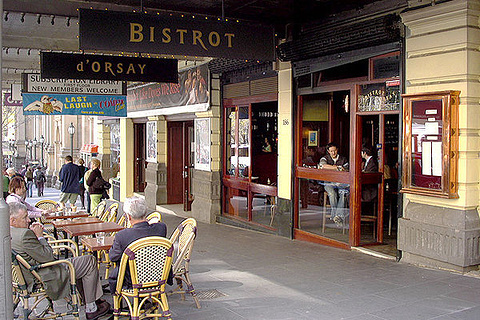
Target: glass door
323, 184
370, 179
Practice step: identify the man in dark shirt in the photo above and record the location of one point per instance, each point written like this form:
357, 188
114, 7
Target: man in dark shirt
337, 192
69, 176
135, 210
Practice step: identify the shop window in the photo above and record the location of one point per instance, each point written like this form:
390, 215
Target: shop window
251, 150
325, 119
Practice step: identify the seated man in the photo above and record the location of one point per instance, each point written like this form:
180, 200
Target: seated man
32, 246
135, 210
369, 191
337, 192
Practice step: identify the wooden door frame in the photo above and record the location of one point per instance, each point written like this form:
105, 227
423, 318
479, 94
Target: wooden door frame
137, 183
187, 167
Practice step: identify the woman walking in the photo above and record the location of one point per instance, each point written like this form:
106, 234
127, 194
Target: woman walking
95, 184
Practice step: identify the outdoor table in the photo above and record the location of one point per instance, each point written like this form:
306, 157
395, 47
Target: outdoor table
59, 215
58, 224
91, 229
92, 244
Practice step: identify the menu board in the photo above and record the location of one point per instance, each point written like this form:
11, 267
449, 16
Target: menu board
430, 144
427, 144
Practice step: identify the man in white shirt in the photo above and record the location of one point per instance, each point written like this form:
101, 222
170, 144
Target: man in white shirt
337, 192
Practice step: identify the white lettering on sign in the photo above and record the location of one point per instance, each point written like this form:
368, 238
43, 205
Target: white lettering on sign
36, 84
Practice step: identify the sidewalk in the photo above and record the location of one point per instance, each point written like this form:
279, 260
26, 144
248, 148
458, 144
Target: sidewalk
243, 274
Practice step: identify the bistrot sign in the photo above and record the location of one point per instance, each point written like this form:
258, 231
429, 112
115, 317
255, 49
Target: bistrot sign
102, 67
168, 34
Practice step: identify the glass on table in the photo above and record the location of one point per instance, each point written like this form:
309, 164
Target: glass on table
100, 237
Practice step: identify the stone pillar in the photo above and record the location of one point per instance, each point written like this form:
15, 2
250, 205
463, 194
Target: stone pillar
442, 53
126, 158
207, 184
156, 172
285, 123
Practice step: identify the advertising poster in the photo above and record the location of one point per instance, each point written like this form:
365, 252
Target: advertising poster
151, 141
202, 144
74, 104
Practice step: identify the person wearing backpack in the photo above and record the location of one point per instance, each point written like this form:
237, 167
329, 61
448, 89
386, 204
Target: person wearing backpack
29, 180
39, 178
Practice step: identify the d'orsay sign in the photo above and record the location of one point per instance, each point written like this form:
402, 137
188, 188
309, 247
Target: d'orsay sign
165, 34
102, 67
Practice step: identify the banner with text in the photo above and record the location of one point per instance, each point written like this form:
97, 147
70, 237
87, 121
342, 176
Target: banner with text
168, 34
34, 83
192, 89
102, 67
70, 104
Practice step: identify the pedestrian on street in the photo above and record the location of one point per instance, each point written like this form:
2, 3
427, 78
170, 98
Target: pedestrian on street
29, 180
95, 184
69, 176
39, 178
83, 169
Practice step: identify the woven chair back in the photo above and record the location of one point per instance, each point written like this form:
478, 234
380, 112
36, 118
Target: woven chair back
46, 205
19, 266
149, 259
110, 214
154, 217
184, 235
99, 210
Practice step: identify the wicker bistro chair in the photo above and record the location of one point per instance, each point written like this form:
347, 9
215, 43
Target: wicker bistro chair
149, 260
99, 210
154, 217
183, 239
47, 205
110, 215
38, 294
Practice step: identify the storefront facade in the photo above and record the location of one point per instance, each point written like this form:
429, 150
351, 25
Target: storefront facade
164, 152
347, 89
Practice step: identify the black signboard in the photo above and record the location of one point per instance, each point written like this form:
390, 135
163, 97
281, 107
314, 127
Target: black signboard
102, 67
165, 34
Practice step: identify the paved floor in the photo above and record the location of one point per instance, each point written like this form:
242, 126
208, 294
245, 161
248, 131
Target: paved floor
251, 275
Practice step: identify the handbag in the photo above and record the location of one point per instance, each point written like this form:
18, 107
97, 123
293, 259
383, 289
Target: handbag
100, 183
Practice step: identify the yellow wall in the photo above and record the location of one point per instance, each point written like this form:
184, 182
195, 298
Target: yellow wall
126, 158
285, 123
442, 54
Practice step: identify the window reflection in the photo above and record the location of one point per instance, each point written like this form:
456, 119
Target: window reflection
324, 208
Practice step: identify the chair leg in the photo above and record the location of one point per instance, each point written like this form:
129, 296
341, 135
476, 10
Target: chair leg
191, 289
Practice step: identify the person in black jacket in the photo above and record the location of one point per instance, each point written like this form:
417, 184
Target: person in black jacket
95, 183
69, 176
82, 169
